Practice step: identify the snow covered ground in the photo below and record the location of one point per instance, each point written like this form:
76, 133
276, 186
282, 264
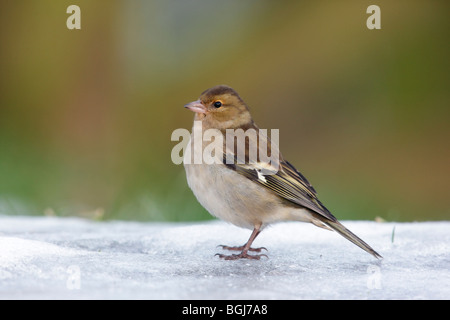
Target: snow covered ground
72, 258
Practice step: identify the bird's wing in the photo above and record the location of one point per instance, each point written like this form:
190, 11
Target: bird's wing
281, 178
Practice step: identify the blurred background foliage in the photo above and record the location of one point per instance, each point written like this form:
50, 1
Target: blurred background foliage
86, 115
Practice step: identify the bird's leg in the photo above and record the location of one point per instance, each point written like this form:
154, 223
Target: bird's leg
245, 248
240, 248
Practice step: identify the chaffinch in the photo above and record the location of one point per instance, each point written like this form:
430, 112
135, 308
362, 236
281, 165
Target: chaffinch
249, 191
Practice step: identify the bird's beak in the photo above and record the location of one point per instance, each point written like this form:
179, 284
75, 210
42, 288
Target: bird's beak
196, 106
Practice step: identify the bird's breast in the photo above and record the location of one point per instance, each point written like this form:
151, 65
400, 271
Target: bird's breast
232, 197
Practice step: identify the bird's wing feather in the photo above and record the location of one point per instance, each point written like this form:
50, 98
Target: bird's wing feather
279, 176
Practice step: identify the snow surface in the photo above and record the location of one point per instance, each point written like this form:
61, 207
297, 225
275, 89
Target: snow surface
73, 258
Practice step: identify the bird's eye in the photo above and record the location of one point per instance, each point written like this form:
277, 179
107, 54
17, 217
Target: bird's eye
217, 104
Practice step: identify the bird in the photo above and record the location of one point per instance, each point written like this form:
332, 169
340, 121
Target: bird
250, 193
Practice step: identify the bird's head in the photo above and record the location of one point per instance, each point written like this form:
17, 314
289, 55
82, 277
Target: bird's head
221, 107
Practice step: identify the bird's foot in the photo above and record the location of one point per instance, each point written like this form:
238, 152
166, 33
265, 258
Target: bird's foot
242, 255
241, 248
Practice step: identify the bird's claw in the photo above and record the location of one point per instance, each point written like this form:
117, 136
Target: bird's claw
241, 256
224, 247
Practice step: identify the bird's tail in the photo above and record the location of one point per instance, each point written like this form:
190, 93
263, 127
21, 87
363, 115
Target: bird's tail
347, 234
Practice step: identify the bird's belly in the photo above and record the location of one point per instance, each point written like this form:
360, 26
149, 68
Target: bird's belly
232, 197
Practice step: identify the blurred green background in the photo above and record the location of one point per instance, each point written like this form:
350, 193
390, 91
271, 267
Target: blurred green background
86, 115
